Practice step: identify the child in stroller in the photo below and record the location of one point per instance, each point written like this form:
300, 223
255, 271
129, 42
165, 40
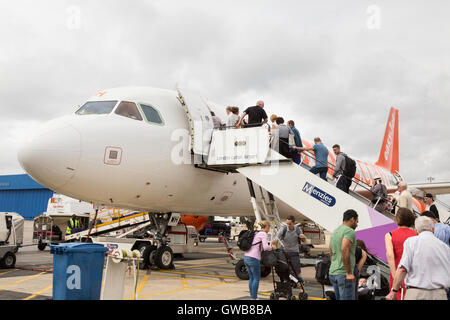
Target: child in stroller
288, 279
363, 291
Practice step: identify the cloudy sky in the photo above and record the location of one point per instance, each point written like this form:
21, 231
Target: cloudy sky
336, 67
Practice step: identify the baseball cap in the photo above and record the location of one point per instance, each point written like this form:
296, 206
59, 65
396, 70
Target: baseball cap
429, 195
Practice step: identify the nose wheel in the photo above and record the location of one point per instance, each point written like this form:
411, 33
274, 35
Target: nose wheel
164, 257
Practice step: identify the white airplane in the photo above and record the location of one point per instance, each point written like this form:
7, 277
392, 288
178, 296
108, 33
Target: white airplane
123, 157
131, 148
122, 149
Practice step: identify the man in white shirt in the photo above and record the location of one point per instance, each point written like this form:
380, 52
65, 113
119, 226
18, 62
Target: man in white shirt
441, 230
405, 199
425, 265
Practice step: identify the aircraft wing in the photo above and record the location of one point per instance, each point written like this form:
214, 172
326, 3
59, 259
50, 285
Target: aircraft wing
433, 188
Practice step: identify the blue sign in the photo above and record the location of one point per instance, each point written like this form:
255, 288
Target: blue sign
320, 195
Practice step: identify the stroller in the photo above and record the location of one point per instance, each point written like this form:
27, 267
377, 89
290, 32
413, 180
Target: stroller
288, 279
363, 292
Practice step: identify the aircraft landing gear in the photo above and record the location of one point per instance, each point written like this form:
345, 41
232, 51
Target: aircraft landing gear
157, 254
164, 258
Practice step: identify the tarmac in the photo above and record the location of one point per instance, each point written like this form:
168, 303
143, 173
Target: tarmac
205, 275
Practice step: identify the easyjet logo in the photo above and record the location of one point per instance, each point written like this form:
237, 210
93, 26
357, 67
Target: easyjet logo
390, 139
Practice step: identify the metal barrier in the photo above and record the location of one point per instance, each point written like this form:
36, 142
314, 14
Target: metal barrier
356, 182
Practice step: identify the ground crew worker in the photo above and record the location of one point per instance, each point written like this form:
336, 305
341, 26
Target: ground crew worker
72, 224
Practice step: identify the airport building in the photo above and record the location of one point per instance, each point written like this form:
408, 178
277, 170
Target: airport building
21, 194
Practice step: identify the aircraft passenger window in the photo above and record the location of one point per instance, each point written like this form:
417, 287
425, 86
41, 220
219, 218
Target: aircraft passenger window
129, 110
151, 114
96, 107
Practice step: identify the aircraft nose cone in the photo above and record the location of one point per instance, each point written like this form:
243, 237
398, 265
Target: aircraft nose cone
51, 154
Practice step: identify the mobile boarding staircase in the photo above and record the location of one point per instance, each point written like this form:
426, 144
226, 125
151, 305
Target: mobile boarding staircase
248, 152
126, 222
109, 220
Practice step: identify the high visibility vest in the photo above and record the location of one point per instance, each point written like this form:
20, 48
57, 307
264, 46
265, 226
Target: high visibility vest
72, 225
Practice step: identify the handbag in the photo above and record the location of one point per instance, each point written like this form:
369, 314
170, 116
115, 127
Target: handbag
268, 259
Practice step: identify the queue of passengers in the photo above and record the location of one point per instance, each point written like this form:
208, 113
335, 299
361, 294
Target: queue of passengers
292, 149
419, 260
419, 267
418, 251
288, 142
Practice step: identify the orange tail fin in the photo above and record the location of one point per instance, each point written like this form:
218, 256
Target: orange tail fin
389, 150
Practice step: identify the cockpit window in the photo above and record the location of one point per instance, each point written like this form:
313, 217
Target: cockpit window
151, 114
96, 107
129, 110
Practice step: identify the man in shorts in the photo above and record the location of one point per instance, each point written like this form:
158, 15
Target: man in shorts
290, 236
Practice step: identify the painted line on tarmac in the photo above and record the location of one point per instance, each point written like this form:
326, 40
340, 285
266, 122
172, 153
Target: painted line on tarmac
309, 298
141, 285
38, 293
7, 272
202, 265
315, 298
190, 279
21, 280
181, 290
219, 277
31, 269
200, 275
184, 283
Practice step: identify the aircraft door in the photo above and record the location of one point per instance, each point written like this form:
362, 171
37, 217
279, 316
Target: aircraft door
201, 125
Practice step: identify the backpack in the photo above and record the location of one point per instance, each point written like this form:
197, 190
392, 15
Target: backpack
322, 269
297, 230
380, 195
350, 167
245, 239
285, 228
